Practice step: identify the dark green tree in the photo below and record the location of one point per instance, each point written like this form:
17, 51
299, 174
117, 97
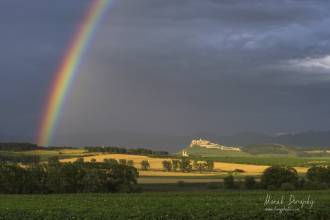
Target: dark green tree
209, 165
110, 160
175, 165
53, 159
277, 175
145, 165
229, 182
249, 182
201, 167
80, 160
195, 164
122, 161
130, 163
65, 177
167, 165
184, 165
12, 178
36, 179
319, 174
94, 181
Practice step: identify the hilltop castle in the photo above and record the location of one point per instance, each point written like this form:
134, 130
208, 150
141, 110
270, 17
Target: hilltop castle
208, 144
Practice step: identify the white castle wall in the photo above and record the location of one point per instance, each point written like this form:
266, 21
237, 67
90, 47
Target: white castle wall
208, 144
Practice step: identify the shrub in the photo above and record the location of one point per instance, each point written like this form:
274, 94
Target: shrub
80, 160
271, 187
239, 184
229, 182
180, 183
249, 182
213, 185
322, 186
124, 188
53, 159
238, 171
287, 186
314, 185
302, 183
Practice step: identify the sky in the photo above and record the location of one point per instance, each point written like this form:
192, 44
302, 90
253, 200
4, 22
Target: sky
171, 67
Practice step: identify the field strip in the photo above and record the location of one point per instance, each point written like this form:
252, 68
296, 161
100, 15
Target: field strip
157, 181
156, 168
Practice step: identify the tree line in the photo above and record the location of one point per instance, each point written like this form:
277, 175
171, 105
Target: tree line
25, 146
323, 153
122, 150
285, 178
17, 146
24, 159
184, 165
67, 178
257, 148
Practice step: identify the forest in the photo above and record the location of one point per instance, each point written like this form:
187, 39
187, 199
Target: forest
67, 178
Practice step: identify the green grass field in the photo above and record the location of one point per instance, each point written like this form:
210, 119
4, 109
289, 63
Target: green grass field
213, 152
296, 162
45, 154
258, 150
211, 205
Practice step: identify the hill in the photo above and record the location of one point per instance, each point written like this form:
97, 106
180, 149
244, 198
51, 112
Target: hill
212, 152
270, 149
173, 143
204, 148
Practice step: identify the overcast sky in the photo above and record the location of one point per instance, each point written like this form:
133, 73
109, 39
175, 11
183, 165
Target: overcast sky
171, 66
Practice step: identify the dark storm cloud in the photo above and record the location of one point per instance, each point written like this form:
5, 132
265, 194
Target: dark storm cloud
218, 36
179, 66
33, 37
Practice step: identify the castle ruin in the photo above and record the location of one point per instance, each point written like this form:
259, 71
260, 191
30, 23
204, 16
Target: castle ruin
208, 144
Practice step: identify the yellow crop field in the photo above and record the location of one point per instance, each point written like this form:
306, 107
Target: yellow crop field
317, 151
156, 168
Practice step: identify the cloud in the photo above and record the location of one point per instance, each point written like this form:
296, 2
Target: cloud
174, 66
316, 63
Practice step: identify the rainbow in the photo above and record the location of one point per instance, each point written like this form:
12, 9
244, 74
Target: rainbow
68, 69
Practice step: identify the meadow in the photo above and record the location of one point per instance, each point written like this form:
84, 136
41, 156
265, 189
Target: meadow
171, 205
45, 154
294, 161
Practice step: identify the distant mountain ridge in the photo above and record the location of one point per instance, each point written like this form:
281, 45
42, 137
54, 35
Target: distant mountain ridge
13, 138
173, 143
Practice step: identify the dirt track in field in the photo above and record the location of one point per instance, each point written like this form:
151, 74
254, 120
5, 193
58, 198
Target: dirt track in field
155, 181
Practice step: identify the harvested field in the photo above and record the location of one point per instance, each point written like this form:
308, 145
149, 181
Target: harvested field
156, 168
